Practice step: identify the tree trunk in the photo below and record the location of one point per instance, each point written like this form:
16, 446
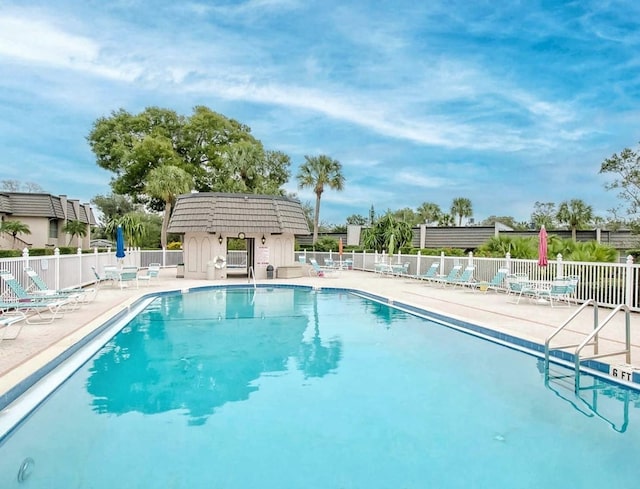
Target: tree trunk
165, 225
316, 218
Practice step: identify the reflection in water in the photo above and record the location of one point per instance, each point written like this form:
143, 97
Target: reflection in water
595, 398
199, 351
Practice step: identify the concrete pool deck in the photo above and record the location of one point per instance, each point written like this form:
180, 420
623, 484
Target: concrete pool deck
36, 345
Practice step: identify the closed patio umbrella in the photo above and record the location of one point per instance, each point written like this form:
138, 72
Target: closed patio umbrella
340, 248
542, 247
120, 243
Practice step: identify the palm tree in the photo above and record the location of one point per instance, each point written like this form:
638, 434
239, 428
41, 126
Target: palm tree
429, 212
166, 182
461, 207
75, 228
14, 228
575, 214
316, 172
132, 227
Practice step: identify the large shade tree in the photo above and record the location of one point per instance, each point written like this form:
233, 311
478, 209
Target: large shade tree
576, 214
461, 207
318, 172
625, 171
166, 182
220, 153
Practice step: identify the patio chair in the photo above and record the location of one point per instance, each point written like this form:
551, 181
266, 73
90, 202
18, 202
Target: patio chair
83, 295
69, 301
322, 271
558, 292
126, 275
496, 283
152, 273
519, 287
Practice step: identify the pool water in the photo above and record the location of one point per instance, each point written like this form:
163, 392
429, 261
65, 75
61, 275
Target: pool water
295, 388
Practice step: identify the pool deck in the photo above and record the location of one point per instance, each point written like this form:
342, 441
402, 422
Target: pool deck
36, 345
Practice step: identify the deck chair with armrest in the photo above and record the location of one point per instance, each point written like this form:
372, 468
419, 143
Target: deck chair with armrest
7, 320
39, 286
128, 275
43, 311
152, 273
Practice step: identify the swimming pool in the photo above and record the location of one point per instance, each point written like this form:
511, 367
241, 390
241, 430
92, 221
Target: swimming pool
294, 387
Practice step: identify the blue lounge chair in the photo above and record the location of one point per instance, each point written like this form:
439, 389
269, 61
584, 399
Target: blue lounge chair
9, 319
20, 293
152, 273
450, 277
322, 271
430, 274
126, 275
559, 292
40, 287
466, 278
496, 283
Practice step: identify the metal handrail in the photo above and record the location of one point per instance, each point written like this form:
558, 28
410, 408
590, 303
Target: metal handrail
594, 333
547, 342
250, 274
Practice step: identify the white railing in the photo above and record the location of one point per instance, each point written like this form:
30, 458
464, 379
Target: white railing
64, 271
610, 284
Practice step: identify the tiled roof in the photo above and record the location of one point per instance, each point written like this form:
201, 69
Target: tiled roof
27, 204
234, 213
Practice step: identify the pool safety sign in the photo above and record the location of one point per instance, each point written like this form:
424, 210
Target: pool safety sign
621, 372
262, 256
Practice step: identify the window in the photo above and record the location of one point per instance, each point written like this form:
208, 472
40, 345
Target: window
53, 228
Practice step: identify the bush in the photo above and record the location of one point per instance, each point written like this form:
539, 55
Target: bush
174, 245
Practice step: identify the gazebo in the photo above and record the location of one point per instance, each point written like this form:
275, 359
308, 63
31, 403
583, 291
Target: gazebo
267, 223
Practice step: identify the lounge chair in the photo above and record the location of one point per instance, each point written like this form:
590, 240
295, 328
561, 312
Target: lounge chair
322, 271
40, 287
466, 278
430, 274
496, 283
9, 319
450, 277
42, 311
152, 273
68, 301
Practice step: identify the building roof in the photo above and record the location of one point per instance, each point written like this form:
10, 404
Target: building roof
28, 204
215, 212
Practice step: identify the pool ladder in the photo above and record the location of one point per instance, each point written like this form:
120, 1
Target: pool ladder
592, 339
251, 274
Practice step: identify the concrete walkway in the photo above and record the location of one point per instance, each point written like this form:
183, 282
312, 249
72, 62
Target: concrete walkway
38, 344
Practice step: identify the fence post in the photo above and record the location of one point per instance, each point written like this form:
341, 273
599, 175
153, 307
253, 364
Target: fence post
628, 283
470, 260
418, 264
25, 258
559, 266
56, 261
442, 262
507, 261
79, 267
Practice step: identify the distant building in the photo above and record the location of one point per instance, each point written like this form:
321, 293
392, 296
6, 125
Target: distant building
46, 215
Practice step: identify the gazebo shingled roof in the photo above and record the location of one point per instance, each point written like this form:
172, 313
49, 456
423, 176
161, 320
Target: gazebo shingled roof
215, 212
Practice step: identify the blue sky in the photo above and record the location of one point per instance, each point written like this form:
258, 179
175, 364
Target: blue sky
502, 102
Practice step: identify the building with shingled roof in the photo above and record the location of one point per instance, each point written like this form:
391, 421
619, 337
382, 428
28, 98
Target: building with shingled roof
268, 224
46, 215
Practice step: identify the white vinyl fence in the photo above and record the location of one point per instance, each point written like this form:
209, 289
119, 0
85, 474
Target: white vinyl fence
64, 271
610, 284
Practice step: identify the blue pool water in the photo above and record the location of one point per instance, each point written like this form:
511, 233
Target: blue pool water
294, 388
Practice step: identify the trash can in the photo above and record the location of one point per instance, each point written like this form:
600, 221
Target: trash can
211, 270
269, 271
